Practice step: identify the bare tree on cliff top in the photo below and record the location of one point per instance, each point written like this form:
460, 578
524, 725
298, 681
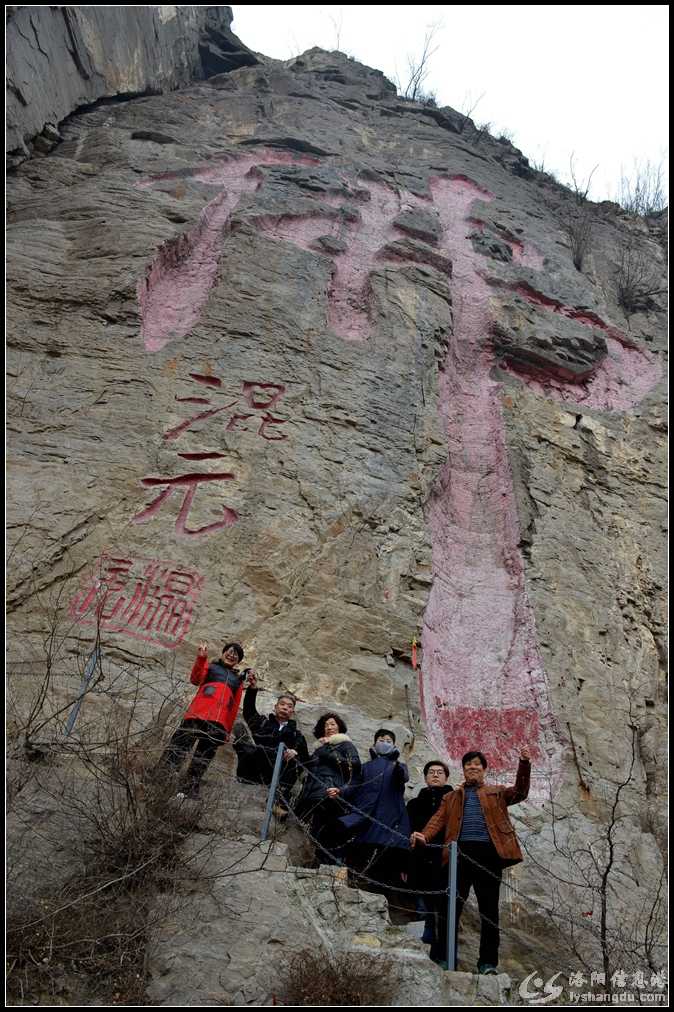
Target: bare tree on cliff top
418, 67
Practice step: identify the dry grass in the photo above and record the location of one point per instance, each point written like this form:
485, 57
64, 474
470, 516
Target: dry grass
314, 977
87, 935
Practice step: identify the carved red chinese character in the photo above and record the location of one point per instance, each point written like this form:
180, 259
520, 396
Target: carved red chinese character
189, 482
148, 599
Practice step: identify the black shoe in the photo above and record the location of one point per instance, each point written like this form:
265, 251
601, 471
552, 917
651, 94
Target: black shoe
486, 969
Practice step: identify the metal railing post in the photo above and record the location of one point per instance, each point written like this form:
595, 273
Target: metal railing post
88, 673
451, 907
272, 791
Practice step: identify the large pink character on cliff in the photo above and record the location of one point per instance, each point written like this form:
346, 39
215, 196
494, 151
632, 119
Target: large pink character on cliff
483, 682
176, 285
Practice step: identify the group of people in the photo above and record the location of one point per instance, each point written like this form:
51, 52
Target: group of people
355, 812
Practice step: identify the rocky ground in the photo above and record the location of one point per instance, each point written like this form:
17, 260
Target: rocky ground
296, 362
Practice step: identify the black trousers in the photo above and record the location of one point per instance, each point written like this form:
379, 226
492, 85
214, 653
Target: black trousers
326, 832
384, 865
479, 867
208, 737
256, 765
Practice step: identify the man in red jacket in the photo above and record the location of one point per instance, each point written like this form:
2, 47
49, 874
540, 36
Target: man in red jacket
211, 714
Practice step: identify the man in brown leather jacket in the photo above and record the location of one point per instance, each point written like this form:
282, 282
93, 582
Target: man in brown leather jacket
476, 815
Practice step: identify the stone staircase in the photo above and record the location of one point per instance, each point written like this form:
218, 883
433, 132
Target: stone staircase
227, 938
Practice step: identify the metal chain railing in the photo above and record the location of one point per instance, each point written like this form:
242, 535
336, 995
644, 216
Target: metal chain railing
452, 888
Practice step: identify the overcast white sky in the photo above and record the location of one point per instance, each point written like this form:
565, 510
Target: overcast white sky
586, 79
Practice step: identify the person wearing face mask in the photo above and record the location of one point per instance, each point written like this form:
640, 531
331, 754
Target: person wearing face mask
334, 765
378, 824
256, 759
210, 716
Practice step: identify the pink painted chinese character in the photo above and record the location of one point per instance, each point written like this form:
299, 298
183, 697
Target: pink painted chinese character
176, 284
483, 676
260, 397
189, 482
102, 595
147, 599
268, 420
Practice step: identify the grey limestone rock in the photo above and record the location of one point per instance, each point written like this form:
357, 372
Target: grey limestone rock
60, 59
527, 337
242, 393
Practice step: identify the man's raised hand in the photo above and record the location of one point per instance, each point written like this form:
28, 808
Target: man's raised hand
203, 650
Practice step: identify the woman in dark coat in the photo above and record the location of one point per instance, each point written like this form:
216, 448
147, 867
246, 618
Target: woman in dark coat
333, 766
378, 823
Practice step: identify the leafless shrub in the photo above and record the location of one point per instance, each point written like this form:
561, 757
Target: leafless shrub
418, 68
596, 921
578, 224
484, 130
337, 26
577, 219
644, 192
428, 99
95, 946
88, 932
37, 718
81, 903
636, 281
580, 187
316, 977
468, 107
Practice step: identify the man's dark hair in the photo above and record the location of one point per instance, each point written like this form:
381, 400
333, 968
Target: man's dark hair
436, 762
237, 647
319, 730
474, 755
381, 732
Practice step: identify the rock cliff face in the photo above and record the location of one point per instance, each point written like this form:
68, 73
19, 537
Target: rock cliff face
62, 58
295, 362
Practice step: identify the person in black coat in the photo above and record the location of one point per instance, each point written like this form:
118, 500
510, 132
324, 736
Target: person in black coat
334, 765
425, 868
256, 759
378, 823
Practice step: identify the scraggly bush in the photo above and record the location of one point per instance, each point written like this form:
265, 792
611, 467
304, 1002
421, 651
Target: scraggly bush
644, 192
636, 280
316, 977
93, 945
87, 934
94, 842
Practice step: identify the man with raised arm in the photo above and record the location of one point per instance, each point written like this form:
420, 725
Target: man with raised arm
256, 759
476, 815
